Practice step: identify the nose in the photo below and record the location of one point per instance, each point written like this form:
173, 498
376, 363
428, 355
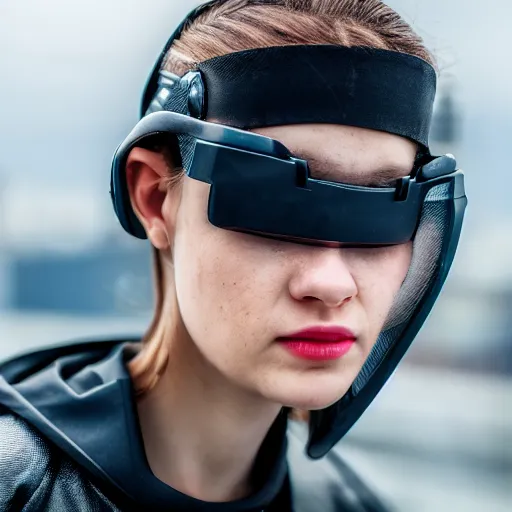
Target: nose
325, 277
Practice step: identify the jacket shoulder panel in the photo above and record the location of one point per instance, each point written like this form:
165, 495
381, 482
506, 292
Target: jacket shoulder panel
24, 462
35, 475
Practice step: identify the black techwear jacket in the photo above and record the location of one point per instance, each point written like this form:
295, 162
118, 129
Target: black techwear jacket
70, 441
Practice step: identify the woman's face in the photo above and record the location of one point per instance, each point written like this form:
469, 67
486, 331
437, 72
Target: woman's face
238, 293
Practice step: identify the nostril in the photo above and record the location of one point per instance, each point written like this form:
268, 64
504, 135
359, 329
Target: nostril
344, 301
311, 298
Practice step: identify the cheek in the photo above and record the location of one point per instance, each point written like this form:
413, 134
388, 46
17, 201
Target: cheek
226, 282
220, 281
379, 274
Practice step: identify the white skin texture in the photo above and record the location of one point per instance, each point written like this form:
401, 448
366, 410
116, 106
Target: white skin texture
230, 295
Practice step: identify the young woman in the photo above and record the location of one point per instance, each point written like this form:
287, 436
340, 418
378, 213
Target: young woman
301, 232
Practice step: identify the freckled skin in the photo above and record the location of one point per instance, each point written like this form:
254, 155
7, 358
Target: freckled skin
236, 292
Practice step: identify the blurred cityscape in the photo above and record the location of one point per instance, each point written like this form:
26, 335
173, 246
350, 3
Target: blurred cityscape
439, 436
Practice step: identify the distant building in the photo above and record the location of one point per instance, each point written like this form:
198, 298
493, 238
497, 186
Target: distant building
445, 133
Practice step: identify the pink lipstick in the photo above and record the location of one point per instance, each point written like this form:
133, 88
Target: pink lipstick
322, 343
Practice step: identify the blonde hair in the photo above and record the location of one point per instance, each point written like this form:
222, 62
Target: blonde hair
234, 25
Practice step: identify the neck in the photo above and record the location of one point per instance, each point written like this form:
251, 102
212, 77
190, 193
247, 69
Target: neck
202, 434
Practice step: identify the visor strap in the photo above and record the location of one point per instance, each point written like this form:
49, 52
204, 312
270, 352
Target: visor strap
364, 87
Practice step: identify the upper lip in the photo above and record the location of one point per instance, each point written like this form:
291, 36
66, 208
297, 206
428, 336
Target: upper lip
322, 333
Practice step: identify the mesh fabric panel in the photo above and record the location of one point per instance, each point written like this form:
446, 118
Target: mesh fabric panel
427, 247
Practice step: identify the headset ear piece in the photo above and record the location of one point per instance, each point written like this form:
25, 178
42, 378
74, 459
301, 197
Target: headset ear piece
193, 82
151, 86
441, 166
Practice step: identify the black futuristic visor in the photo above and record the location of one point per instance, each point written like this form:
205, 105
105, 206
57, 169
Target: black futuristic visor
258, 186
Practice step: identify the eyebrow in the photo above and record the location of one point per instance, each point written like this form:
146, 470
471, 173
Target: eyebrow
323, 169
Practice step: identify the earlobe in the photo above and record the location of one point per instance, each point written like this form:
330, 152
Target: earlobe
157, 234
145, 175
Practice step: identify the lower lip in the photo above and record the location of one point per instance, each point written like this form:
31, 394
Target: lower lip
318, 350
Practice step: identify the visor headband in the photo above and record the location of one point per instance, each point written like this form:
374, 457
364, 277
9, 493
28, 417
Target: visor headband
358, 86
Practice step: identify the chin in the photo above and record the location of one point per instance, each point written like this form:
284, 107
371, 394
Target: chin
312, 403
312, 393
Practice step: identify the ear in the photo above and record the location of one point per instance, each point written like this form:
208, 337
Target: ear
146, 173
